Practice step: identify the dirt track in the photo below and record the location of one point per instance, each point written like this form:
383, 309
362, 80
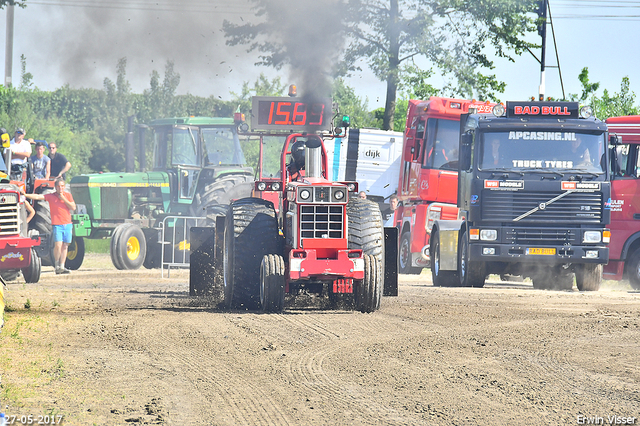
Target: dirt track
112, 348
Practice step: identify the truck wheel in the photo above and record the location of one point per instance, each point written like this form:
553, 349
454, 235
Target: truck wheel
251, 232
75, 254
404, 256
589, 277
438, 277
131, 247
633, 270
369, 291
221, 192
272, 283
115, 259
31, 273
365, 230
472, 274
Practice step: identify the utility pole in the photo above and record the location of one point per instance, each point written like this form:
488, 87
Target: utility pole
542, 30
8, 53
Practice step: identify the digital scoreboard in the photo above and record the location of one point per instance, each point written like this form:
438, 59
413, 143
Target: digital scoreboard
291, 114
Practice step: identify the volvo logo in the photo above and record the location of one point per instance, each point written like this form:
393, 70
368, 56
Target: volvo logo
542, 206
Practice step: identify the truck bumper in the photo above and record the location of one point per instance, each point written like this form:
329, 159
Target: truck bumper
553, 255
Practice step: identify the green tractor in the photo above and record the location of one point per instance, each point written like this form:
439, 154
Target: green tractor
198, 168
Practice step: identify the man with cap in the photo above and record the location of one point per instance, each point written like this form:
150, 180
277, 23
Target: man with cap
20, 148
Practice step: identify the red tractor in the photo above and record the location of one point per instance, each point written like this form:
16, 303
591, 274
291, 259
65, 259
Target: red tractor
305, 233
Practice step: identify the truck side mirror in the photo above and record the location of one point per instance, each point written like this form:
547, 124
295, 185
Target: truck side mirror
465, 151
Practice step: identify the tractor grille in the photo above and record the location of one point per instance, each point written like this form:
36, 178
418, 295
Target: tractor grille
9, 217
539, 236
322, 221
114, 203
504, 206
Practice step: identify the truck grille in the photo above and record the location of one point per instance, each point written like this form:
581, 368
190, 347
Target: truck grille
539, 236
322, 221
9, 219
504, 206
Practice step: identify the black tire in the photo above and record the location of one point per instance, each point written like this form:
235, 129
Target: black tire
75, 254
272, 283
369, 291
131, 247
220, 193
438, 277
42, 223
633, 269
31, 273
10, 275
153, 258
115, 259
366, 231
472, 274
588, 277
251, 232
404, 256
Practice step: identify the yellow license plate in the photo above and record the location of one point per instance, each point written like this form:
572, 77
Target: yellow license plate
543, 251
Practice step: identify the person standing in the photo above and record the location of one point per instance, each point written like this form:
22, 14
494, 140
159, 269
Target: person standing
20, 148
388, 216
61, 205
41, 163
59, 163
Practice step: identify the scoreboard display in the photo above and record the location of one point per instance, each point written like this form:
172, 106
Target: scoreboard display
290, 114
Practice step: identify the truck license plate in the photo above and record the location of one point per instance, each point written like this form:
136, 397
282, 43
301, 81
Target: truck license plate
540, 250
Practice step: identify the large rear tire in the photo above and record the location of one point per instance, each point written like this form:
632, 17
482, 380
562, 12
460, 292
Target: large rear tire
251, 232
272, 283
633, 269
439, 277
31, 273
75, 254
472, 274
220, 193
589, 277
404, 256
369, 291
42, 223
366, 232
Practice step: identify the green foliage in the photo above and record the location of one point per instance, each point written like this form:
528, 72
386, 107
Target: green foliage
352, 105
608, 105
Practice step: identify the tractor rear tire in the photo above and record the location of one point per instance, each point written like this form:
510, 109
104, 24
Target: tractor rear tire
272, 283
221, 192
439, 277
75, 254
42, 223
251, 232
31, 273
366, 231
131, 247
589, 277
369, 291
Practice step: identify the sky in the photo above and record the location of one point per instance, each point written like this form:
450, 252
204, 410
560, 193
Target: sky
79, 42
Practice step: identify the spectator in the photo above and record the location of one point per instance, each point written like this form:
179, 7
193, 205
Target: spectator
61, 204
581, 156
41, 163
362, 195
59, 163
388, 216
20, 148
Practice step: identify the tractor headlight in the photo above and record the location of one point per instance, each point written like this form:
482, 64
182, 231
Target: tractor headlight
275, 186
339, 194
592, 237
305, 194
351, 187
261, 186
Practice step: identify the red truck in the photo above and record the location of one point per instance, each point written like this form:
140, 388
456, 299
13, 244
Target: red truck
428, 180
624, 249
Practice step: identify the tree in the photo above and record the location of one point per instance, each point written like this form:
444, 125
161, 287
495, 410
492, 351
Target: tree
451, 35
615, 105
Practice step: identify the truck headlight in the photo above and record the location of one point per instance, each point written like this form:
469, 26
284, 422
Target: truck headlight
591, 237
488, 234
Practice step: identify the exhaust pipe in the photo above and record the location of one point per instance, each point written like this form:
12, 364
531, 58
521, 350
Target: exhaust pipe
313, 157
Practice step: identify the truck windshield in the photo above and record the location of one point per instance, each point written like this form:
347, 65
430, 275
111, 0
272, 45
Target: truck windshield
544, 150
222, 147
441, 148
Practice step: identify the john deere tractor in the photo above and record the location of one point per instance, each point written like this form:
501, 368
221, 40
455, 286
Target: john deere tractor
198, 167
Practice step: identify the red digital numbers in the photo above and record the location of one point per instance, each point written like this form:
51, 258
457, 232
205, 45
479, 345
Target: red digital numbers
294, 114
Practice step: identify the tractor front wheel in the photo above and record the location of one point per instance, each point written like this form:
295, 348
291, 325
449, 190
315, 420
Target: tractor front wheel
75, 254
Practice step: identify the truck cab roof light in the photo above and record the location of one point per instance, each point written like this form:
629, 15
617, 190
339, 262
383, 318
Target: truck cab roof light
498, 110
586, 112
